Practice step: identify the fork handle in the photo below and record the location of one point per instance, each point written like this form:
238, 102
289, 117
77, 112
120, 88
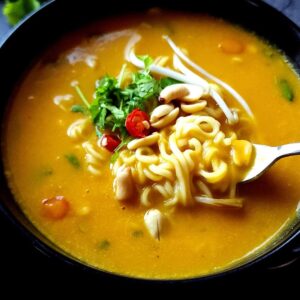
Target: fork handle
288, 150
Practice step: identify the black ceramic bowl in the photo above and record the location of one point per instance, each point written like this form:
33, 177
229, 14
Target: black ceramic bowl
41, 28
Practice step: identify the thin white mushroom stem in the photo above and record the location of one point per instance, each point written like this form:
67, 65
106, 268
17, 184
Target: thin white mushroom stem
232, 118
187, 76
235, 202
226, 86
135, 38
161, 70
131, 57
186, 71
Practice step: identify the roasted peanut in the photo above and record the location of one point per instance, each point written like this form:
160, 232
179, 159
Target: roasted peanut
146, 141
123, 184
153, 219
163, 115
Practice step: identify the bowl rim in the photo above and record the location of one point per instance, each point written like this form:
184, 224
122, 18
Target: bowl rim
66, 258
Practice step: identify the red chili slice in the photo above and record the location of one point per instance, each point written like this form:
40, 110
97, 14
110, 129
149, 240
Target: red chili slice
137, 123
110, 142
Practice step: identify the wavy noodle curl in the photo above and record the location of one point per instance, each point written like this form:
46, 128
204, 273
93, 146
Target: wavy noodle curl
95, 157
185, 163
80, 129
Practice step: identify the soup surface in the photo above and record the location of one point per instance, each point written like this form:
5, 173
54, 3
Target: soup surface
42, 161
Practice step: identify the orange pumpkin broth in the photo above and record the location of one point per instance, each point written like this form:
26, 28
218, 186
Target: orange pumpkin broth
198, 240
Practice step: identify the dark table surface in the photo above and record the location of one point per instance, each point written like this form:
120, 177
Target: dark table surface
20, 263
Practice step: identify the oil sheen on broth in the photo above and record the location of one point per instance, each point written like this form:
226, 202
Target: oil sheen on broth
49, 162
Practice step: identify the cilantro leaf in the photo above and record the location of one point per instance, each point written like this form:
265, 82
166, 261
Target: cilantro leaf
166, 81
116, 112
106, 85
77, 108
111, 104
98, 132
147, 60
17, 10
118, 116
120, 146
82, 96
104, 94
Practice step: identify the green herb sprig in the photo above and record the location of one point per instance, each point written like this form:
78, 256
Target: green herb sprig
286, 89
16, 10
73, 160
112, 104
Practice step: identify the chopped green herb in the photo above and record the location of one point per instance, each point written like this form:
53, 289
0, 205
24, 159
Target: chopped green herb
269, 52
121, 75
103, 245
112, 104
115, 156
166, 81
286, 89
107, 92
77, 108
73, 160
45, 171
147, 60
137, 233
16, 10
98, 132
42, 173
82, 96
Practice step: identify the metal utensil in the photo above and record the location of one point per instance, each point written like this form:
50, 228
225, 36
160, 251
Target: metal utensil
266, 156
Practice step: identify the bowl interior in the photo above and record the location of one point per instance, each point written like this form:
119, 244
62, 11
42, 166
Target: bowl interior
29, 37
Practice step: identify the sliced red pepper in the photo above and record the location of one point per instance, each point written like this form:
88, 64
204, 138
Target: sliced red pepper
110, 142
137, 123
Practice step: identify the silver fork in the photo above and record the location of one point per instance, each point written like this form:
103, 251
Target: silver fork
266, 156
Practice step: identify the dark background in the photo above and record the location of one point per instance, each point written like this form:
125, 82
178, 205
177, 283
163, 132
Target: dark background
23, 269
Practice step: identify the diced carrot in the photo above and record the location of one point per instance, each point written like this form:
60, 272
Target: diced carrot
55, 208
231, 46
